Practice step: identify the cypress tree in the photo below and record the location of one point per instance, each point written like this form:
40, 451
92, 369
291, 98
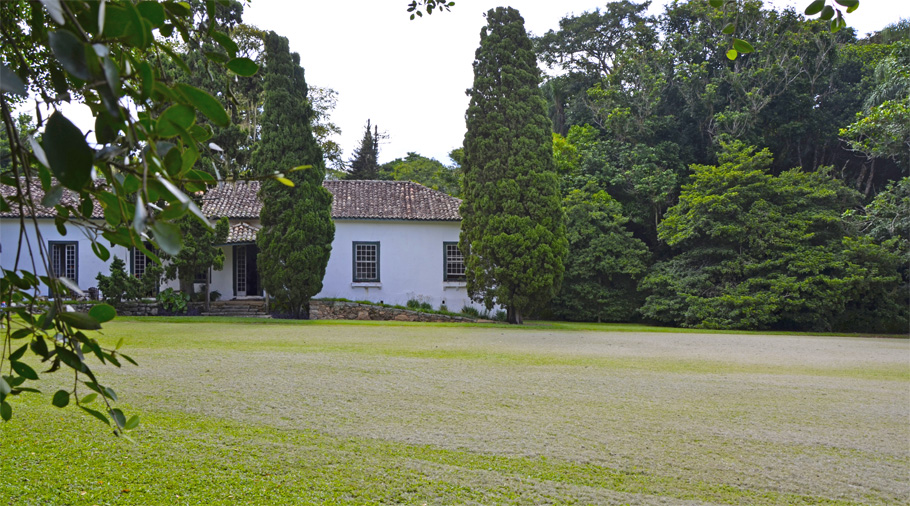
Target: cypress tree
365, 164
513, 231
297, 229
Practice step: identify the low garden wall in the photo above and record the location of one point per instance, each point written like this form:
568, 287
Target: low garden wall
340, 310
319, 310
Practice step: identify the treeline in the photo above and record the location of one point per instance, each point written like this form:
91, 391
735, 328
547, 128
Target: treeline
767, 192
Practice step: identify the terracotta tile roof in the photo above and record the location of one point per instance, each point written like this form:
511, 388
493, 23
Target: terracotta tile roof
370, 200
69, 198
235, 200
242, 233
391, 200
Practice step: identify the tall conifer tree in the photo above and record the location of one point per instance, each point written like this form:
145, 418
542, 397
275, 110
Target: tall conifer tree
365, 164
513, 231
297, 228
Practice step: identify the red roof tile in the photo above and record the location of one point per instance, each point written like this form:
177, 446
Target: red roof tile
366, 200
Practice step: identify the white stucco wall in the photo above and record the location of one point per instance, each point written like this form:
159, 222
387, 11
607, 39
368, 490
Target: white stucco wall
410, 263
88, 264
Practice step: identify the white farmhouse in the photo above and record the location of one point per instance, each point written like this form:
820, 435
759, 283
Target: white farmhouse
394, 241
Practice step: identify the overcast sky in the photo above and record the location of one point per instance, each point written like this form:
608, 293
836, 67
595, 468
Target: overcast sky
410, 77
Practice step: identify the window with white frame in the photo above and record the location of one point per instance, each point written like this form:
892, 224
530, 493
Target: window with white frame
64, 259
366, 262
140, 262
454, 262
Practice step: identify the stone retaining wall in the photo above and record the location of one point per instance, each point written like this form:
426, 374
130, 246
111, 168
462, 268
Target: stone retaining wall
338, 310
319, 310
137, 309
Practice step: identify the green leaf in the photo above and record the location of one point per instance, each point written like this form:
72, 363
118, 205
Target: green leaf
201, 133
173, 162
24, 370
96, 414
4, 388
243, 67
815, 7
88, 399
147, 76
68, 154
742, 46
206, 104
153, 12
100, 251
52, 197
118, 417
79, 321
827, 13
16, 355
10, 82
55, 10
285, 181
852, 7
70, 285
39, 347
176, 115
70, 359
6, 411
224, 41
717, 4
21, 334
217, 57
167, 237
132, 423
70, 52
732, 54
847, 3
729, 29
103, 313
61, 399
110, 394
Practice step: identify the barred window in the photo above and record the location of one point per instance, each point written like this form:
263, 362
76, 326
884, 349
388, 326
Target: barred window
140, 261
366, 261
64, 260
454, 262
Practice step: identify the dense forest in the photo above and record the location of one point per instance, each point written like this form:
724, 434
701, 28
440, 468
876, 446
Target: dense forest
765, 192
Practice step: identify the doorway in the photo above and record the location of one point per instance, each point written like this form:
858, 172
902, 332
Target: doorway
246, 275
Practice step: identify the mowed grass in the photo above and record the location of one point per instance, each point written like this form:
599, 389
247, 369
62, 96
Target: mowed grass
242, 412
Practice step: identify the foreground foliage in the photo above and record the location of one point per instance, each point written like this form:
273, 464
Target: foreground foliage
113, 57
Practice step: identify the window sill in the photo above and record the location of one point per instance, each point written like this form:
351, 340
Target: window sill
366, 284
454, 284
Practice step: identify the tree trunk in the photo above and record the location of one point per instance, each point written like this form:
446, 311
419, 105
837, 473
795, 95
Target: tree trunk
208, 287
513, 315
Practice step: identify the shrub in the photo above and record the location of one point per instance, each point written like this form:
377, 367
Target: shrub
443, 308
173, 301
425, 306
413, 304
119, 285
470, 311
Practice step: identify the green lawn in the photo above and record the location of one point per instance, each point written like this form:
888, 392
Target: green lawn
244, 412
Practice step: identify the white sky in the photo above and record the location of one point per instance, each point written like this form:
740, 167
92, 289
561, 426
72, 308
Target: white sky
410, 77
